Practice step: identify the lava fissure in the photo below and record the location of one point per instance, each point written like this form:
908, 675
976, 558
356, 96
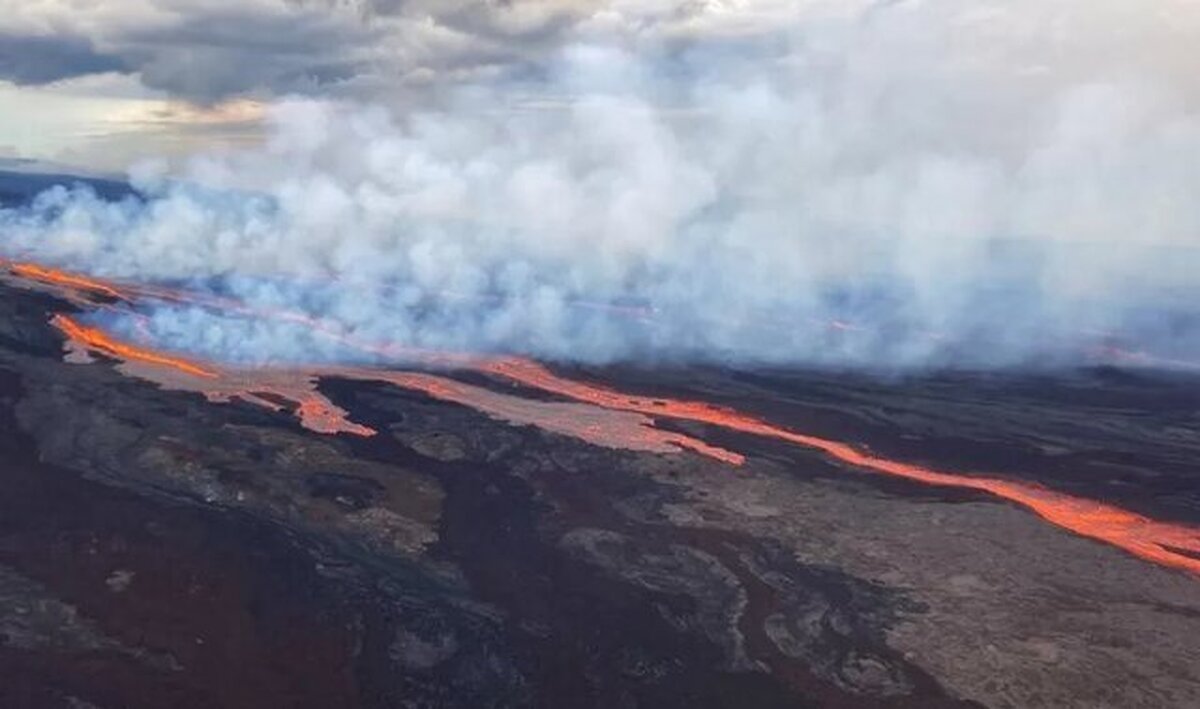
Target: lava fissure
97, 340
1172, 545
1160, 542
72, 282
263, 387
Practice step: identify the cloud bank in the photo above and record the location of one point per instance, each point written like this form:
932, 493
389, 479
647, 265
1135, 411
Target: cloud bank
210, 50
917, 184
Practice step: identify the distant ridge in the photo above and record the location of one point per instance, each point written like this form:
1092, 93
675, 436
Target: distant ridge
20, 186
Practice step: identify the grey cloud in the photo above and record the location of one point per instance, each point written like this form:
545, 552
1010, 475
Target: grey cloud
38, 59
229, 52
931, 187
207, 50
523, 21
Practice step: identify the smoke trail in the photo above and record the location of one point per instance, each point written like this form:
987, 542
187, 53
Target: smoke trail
917, 185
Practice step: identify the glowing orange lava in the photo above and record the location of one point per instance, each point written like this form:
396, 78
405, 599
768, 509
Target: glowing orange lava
71, 281
634, 432
316, 414
1172, 545
98, 340
261, 388
266, 388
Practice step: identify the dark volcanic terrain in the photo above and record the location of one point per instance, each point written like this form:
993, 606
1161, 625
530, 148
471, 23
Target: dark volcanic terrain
160, 550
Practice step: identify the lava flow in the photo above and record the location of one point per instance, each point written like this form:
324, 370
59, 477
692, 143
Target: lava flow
267, 388
1168, 544
314, 411
630, 426
71, 282
96, 339
629, 430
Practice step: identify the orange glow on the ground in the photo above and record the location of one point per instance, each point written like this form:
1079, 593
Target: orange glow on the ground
98, 340
74, 281
1172, 545
633, 433
317, 415
314, 411
266, 387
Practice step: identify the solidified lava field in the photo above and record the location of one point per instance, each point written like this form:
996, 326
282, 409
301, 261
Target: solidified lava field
499, 533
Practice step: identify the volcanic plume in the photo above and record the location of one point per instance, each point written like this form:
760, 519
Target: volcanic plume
774, 353
919, 185
906, 188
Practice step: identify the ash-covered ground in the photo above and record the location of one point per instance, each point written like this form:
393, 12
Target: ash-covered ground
158, 549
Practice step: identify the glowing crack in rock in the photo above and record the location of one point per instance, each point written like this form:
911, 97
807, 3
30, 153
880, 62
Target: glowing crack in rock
1168, 544
628, 421
66, 280
268, 387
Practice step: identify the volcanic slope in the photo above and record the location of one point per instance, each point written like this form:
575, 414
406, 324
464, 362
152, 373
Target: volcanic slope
157, 546
1170, 544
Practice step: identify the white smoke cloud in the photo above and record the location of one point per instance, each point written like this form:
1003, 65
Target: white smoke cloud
918, 184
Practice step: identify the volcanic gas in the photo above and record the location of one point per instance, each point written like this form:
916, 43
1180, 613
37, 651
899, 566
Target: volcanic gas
591, 412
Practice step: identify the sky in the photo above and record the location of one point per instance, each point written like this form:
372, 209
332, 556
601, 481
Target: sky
99, 84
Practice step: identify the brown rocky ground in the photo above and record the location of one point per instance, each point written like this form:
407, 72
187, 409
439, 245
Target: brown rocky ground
158, 550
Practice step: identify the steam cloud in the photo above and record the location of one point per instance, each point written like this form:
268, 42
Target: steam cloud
916, 185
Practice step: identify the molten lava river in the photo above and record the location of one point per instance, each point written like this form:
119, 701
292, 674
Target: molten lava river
593, 413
